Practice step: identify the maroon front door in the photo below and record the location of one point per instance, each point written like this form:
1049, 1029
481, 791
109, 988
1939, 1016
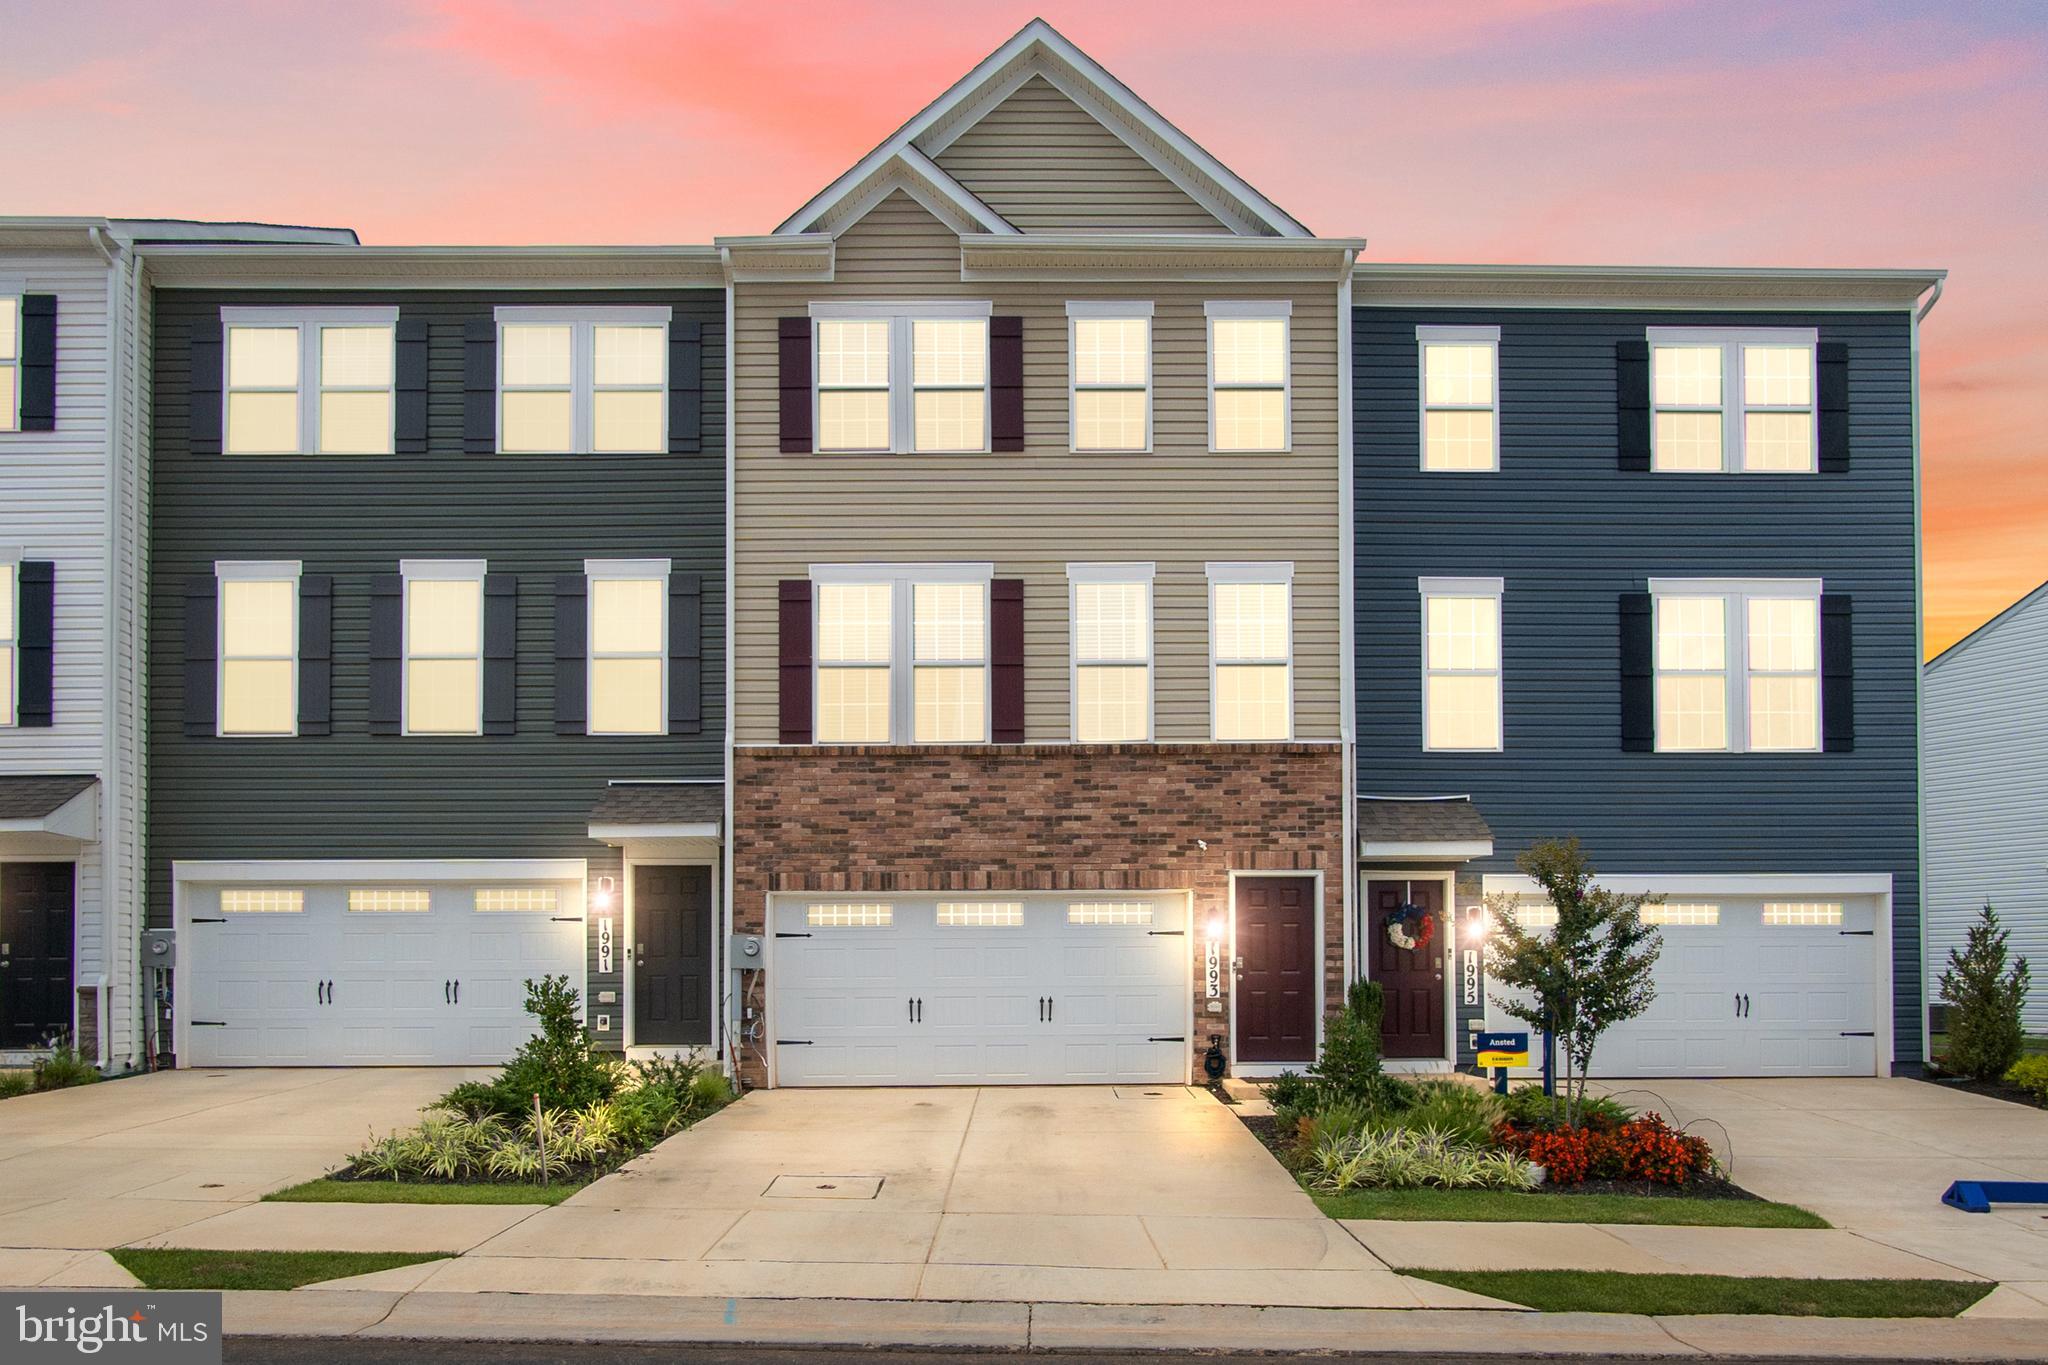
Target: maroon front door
1277, 991
1413, 978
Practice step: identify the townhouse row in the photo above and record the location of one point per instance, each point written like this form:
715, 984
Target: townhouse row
1039, 614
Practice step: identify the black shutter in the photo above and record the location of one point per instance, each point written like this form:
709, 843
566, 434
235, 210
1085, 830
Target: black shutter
38, 363
572, 632
501, 652
1632, 406
411, 383
316, 654
1832, 365
35, 701
203, 388
793, 662
480, 386
387, 654
1837, 673
1006, 383
1638, 675
1006, 661
685, 654
202, 630
793, 381
685, 386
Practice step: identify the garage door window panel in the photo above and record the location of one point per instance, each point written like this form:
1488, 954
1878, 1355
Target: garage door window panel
981, 914
518, 900
1101, 914
389, 900
860, 915
444, 633
269, 900
1802, 914
1682, 914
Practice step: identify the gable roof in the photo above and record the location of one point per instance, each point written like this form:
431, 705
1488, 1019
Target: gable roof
2011, 612
1039, 50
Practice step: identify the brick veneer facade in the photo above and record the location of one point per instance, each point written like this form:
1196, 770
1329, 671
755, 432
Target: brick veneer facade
1103, 817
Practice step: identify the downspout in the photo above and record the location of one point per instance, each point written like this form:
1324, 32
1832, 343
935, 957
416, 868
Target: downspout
112, 944
1347, 609
730, 997
1919, 1063
138, 652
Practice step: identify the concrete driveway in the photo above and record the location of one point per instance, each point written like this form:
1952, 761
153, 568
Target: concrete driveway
1154, 1194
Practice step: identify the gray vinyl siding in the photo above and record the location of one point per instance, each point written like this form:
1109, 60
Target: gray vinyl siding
1987, 798
354, 795
1568, 533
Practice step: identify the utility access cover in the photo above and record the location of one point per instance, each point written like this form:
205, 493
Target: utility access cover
824, 1187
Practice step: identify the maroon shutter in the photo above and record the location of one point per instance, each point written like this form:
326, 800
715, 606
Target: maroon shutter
1006, 661
793, 344
1006, 383
794, 622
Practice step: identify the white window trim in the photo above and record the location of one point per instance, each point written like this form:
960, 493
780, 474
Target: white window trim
1427, 336
902, 580
438, 570
1734, 405
902, 319
10, 556
583, 324
1220, 572
10, 419
633, 569
308, 322
1100, 310
1735, 594
1137, 574
259, 571
1280, 310
1494, 588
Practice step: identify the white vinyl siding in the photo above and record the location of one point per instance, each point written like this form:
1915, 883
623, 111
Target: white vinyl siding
1251, 651
628, 646
444, 646
1250, 371
1462, 704
1109, 361
258, 687
1460, 369
1733, 401
316, 381
581, 381
1737, 665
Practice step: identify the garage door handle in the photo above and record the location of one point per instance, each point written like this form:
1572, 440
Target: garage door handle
1865, 1033
1048, 1009
444, 994
458, 990
1845, 933
909, 1010
1745, 1006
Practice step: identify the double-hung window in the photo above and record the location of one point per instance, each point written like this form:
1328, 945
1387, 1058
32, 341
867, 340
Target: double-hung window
1736, 401
902, 653
628, 646
1738, 664
1111, 606
258, 647
1251, 649
583, 381
444, 646
1249, 376
10, 362
1460, 397
315, 381
901, 377
10, 633
1461, 673
1109, 347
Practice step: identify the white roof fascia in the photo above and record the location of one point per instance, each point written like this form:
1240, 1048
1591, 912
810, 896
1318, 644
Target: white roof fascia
1400, 285
917, 175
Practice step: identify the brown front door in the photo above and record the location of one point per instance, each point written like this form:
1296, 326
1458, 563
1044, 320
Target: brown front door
1277, 990
671, 955
1413, 978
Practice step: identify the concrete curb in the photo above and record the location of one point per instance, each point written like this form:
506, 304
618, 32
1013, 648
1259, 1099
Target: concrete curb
621, 1318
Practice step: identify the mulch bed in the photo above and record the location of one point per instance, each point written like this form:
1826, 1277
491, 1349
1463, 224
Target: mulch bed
1996, 1090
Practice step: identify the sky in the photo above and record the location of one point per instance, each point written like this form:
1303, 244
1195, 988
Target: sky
1557, 131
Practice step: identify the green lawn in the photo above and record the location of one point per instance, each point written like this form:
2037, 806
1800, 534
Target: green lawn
178, 1268
1496, 1206
1607, 1291
421, 1192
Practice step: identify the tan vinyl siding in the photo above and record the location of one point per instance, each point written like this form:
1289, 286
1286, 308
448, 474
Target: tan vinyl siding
1046, 165
1032, 514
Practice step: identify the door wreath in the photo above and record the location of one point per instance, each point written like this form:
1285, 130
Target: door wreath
1411, 927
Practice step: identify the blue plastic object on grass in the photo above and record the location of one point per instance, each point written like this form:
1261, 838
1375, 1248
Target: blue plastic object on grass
1977, 1196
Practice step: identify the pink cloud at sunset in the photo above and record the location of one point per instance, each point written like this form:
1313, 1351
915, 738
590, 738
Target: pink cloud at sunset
1826, 133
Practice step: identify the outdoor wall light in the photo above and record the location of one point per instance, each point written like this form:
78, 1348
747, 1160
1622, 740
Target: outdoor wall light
601, 899
1215, 926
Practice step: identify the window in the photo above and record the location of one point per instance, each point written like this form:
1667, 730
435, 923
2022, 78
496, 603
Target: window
869, 916
10, 362
628, 646
1461, 674
10, 635
582, 381
1112, 652
1802, 914
259, 648
316, 382
1109, 346
1733, 401
1670, 914
1251, 651
444, 644
378, 900
518, 900
1460, 397
1738, 664
981, 914
1248, 376
902, 650
1110, 912
868, 402
262, 901
1534, 912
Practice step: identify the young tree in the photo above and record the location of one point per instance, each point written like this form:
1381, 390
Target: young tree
1985, 998
1579, 979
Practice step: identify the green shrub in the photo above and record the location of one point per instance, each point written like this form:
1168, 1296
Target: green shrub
1985, 998
709, 1090
1291, 1090
1410, 1158
62, 1069
2031, 1075
1349, 1068
1466, 1112
557, 1063
1528, 1107
14, 1083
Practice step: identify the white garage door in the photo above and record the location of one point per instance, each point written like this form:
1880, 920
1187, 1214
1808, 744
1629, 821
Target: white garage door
379, 975
980, 991
1753, 987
